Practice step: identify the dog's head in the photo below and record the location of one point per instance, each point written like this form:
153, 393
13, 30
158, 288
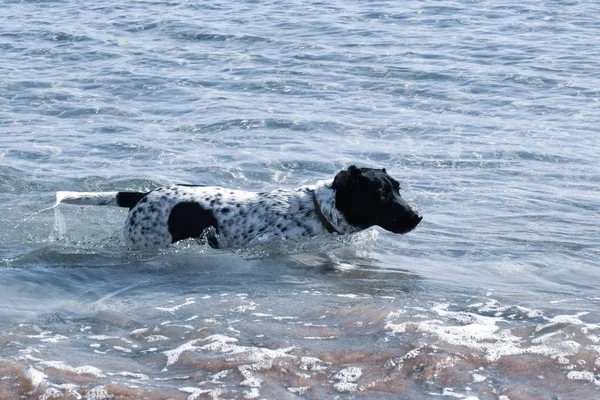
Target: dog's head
367, 197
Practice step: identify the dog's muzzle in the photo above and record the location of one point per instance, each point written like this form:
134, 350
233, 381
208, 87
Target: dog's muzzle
406, 223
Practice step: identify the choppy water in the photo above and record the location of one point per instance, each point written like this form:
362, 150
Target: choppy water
487, 112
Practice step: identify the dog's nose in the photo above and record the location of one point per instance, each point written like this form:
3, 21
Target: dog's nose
415, 219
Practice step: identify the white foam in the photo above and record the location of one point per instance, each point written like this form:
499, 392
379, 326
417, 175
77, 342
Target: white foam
483, 333
215, 378
48, 339
156, 338
349, 296
102, 337
130, 375
319, 337
83, 370
26, 354
284, 318
54, 339
243, 308
179, 326
98, 393
257, 357
57, 391
195, 392
51, 393
569, 320
347, 379
350, 374
252, 393
583, 376
249, 379
174, 354
299, 390
313, 364
139, 331
449, 392
187, 302
35, 377
312, 325
222, 344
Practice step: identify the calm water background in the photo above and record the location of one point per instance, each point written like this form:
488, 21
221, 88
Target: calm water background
486, 111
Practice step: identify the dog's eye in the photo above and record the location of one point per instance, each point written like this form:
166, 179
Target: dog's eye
385, 192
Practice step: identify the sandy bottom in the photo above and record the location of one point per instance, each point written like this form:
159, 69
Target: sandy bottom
303, 344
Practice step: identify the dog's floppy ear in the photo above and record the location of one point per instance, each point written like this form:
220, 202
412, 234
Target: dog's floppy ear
353, 170
346, 179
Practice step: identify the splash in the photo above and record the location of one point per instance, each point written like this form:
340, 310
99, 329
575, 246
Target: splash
60, 224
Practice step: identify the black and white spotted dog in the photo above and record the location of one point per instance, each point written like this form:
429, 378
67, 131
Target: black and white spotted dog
357, 199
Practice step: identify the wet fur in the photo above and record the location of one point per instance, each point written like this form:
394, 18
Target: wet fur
356, 199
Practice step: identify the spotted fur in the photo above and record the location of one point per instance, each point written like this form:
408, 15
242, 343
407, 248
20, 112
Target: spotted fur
235, 218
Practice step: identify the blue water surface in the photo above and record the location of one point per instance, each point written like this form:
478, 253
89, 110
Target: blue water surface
487, 112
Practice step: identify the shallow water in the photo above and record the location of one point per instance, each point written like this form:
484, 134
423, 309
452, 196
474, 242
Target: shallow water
486, 112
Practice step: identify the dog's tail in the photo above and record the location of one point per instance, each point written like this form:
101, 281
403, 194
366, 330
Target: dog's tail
117, 199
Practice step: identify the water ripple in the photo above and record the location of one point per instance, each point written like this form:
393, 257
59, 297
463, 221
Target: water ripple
487, 113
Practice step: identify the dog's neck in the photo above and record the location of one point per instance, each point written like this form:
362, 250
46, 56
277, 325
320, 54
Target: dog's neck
324, 196
330, 228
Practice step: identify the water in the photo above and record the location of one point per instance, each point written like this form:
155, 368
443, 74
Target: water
487, 112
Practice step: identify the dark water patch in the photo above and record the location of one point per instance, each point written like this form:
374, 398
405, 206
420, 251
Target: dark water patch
146, 26
217, 37
263, 124
66, 37
70, 112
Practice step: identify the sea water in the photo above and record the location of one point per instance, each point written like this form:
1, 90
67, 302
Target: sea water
487, 112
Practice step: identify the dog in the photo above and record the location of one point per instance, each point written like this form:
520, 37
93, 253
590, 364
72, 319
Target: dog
356, 199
